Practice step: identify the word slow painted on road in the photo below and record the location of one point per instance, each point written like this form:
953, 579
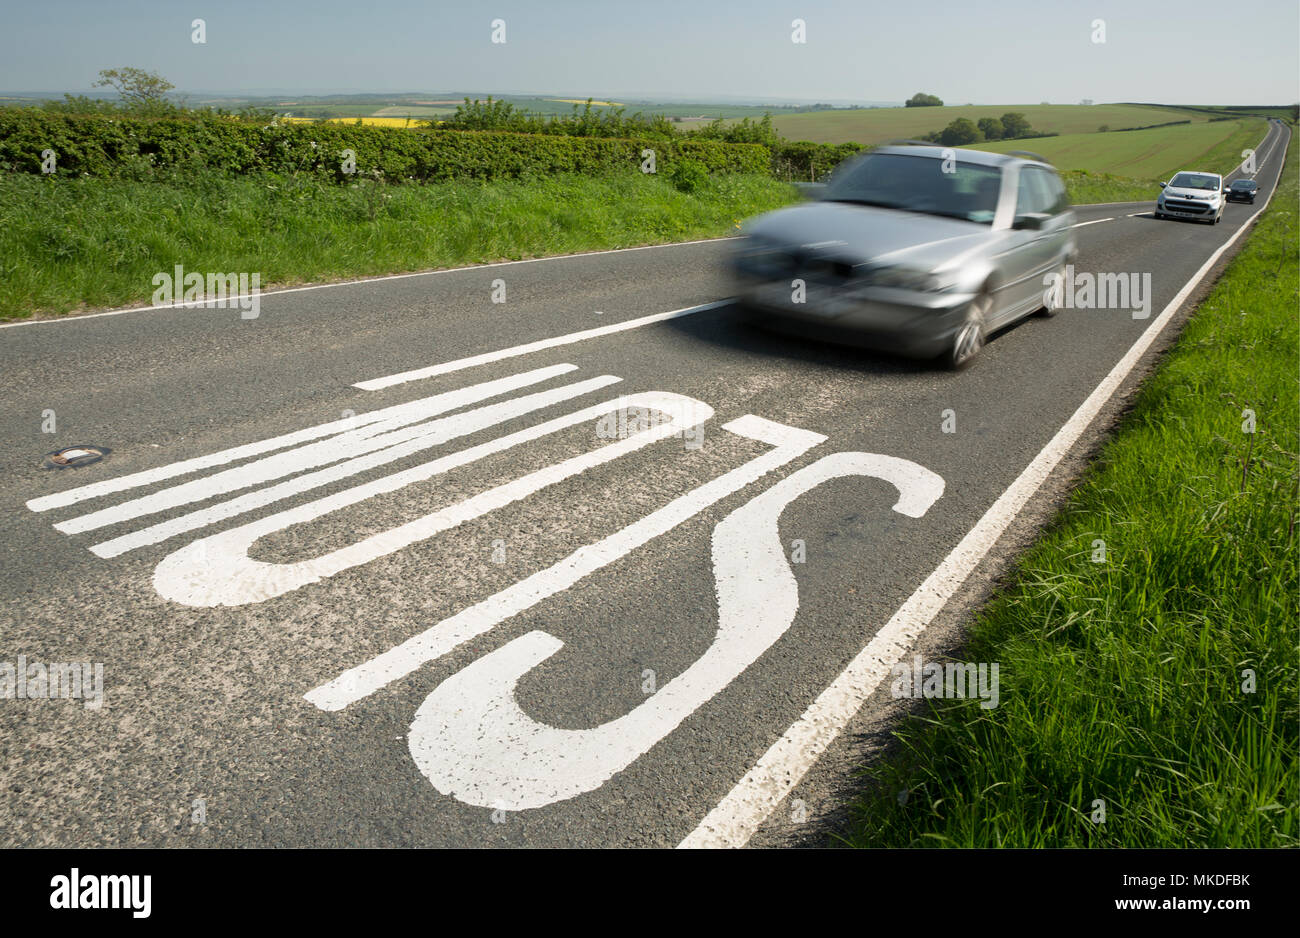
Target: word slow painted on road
469, 737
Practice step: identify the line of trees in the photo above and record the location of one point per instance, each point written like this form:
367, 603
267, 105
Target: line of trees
1012, 125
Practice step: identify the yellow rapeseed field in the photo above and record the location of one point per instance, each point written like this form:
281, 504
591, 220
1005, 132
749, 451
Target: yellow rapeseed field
374, 121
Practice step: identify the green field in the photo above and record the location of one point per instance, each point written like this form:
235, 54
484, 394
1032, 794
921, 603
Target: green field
1286, 113
878, 125
1148, 695
1146, 154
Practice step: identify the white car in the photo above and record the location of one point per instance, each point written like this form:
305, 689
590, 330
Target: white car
1192, 195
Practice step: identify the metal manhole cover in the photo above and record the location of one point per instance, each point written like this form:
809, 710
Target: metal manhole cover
74, 457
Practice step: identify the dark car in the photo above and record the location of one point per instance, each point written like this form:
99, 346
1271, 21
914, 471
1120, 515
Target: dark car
1243, 190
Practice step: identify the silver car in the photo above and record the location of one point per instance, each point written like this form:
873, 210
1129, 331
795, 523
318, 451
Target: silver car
920, 250
1192, 195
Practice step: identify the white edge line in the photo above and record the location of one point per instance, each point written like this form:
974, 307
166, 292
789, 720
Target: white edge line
740, 813
345, 283
1085, 224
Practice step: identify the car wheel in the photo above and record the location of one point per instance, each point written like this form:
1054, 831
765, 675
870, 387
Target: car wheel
970, 337
1049, 308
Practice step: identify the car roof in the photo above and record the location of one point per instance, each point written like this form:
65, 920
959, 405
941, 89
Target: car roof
979, 157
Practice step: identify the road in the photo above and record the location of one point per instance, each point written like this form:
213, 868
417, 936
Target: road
497, 616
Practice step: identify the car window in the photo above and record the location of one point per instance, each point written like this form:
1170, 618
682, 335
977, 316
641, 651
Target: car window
1194, 181
1060, 201
953, 189
1033, 193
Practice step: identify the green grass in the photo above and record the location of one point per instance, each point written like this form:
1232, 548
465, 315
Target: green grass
1085, 188
1122, 681
878, 125
1147, 154
68, 244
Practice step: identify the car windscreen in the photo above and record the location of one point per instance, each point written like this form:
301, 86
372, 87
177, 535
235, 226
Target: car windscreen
1194, 181
931, 186
1243, 184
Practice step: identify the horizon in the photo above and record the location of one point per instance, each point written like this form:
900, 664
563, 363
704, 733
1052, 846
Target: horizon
725, 52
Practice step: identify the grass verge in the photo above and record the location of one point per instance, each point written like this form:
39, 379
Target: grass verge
69, 244
1163, 680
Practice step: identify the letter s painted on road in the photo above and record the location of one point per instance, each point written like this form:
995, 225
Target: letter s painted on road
472, 740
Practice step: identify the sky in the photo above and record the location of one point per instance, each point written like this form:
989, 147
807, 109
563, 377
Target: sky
986, 52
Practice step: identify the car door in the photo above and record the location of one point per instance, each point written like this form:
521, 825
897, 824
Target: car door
1026, 252
1059, 231
1038, 193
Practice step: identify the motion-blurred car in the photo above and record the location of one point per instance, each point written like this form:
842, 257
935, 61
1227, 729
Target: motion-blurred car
1243, 190
1192, 195
919, 250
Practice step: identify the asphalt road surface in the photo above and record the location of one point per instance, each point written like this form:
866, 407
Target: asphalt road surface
395, 564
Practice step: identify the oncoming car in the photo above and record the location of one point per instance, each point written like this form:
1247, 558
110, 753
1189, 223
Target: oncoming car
1243, 190
919, 250
1192, 195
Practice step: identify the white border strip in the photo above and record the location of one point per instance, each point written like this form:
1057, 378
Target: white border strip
192, 304
738, 815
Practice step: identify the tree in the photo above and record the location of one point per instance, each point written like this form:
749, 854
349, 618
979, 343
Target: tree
140, 90
1014, 124
920, 99
959, 133
991, 128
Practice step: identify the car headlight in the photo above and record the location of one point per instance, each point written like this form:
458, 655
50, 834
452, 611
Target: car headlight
905, 278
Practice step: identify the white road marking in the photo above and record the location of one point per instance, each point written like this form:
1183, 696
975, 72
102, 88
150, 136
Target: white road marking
439, 403
217, 571
738, 815
1085, 224
365, 280
409, 441
472, 740
376, 384
364, 679
385, 435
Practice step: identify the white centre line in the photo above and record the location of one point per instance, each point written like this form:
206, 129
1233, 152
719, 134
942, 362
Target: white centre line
376, 384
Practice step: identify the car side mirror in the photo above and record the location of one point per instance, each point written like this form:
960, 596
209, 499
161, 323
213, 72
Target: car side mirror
1030, 221
1163, 184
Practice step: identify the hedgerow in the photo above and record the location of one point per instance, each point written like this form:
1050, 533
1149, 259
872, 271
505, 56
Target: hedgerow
133, 147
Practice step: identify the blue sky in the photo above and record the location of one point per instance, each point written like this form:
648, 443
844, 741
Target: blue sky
1000, 51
